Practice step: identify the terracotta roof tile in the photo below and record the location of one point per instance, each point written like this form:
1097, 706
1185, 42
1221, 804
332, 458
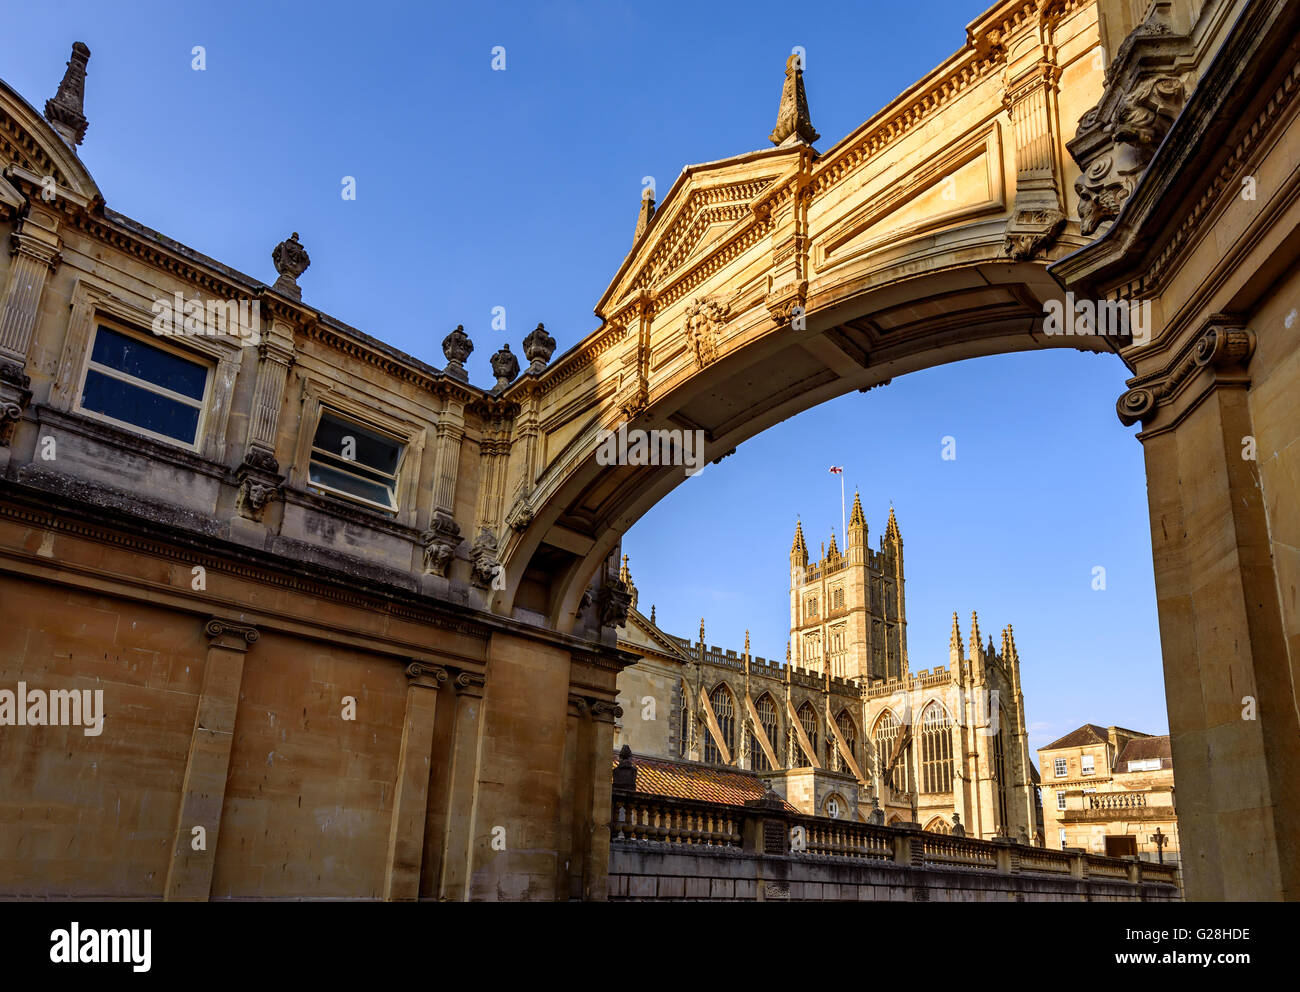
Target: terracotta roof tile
690, 780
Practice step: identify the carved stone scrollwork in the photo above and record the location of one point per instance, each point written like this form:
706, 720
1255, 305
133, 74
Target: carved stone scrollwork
1030, 231
1117, 138
520, 514
260, 458
613, 602
1224, 346
440, 543
225, 630
470, 682
635, 398
483, 558
606, 712
14, 397
705, 320
424, 674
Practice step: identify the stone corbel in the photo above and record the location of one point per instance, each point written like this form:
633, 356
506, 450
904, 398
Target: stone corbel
15, 394
612, 602
1225, 347
259, 481
440, 543
483, 559
1117, 138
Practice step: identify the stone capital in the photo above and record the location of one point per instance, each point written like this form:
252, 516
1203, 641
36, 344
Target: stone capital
1224, 347
425, 675
230, 635
469, 684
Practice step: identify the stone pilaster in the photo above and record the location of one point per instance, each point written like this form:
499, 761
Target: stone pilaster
35, 249
411, 794
203, 790
466, 748
259, 475
1030, 98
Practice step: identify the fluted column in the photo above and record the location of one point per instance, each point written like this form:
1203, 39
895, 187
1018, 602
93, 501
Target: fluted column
35, 250
466, 745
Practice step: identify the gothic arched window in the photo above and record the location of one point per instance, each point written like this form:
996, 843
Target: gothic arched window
767, 720
887, 730
936, 749
808, 719
849, 731
720, 700
938, 826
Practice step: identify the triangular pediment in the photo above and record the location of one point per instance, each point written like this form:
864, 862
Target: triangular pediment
640, 635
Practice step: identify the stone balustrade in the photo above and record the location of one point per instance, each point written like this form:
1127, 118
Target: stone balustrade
661, 848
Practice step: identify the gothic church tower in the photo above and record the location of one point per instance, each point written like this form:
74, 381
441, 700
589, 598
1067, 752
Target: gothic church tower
846, 609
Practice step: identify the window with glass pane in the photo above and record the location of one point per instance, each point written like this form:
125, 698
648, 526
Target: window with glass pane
936, 749
359, 462
142, 386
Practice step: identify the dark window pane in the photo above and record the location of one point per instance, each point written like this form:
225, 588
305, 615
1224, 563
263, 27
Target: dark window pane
354, 468
326, 476
369, 448
134, 405
144, 361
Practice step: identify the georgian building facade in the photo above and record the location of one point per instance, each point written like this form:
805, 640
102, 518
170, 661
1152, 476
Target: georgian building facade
844, 728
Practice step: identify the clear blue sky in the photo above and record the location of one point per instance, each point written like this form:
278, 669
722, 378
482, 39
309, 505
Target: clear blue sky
520, 189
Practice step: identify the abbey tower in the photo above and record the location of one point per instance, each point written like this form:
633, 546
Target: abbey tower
847, 611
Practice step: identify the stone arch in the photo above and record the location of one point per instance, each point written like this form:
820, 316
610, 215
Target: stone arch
848, 728
809, 719
937, 750
938, 825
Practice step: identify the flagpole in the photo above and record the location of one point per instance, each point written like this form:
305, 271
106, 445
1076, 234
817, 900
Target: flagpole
844, 531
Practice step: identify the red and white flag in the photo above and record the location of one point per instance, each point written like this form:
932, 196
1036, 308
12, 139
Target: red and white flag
837, 470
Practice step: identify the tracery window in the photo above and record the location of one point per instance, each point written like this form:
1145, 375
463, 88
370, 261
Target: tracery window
850, 734
939, 826
887, 731
808, 719
720, 700
767, 720
936, 750
999, 770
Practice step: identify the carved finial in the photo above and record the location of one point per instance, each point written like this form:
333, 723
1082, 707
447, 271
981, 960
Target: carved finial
457, 347
538, 348
291, 260
974, 634
856, 517
505, 366
66, 111
891, 527
799, 549
954, 641
652, 614
645, 214
793, 124
701, 633
835, 550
